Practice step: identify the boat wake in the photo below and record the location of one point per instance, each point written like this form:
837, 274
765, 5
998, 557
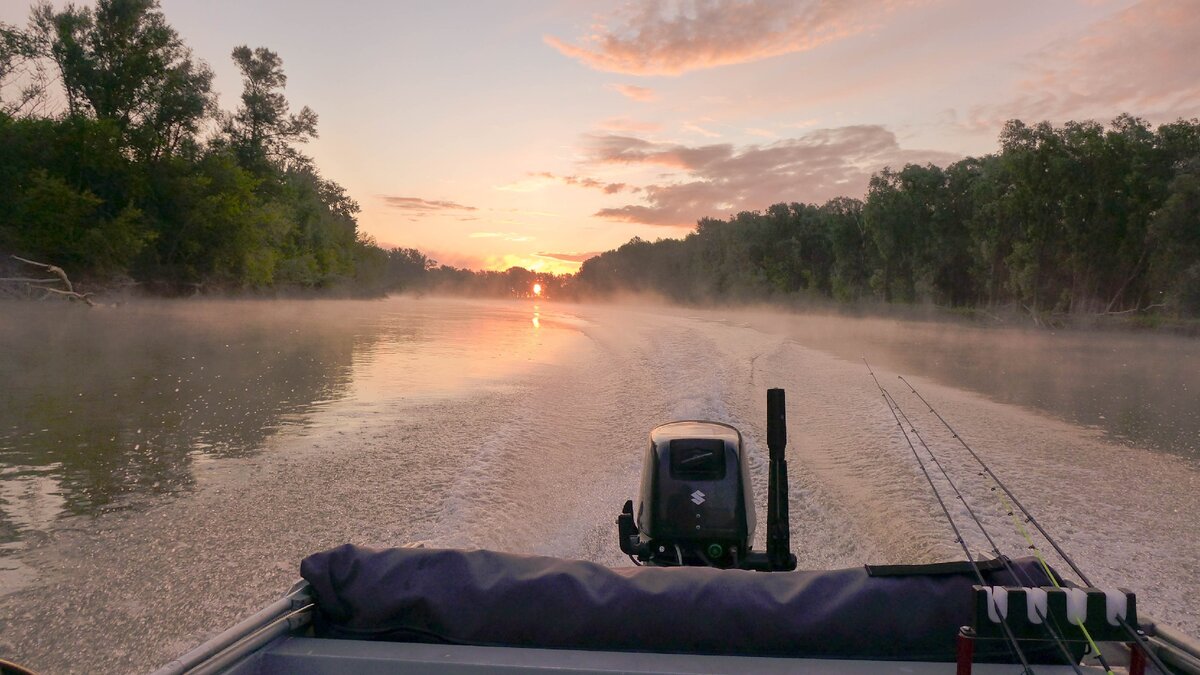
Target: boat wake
539, 458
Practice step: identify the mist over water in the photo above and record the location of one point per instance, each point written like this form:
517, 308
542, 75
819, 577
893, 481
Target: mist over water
164, 467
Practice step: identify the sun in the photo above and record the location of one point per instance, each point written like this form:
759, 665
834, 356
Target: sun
537, 289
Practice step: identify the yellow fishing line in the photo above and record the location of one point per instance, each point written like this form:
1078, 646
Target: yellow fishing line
1046, 568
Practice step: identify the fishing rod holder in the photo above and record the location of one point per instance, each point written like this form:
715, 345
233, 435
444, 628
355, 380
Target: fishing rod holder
696, 504
1023, 613
1100, 612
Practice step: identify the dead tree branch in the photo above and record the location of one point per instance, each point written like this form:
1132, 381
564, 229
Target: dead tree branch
52, 269
22, 280
35, 284
72, 295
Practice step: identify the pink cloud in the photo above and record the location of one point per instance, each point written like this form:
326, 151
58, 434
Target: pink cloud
421, 206
613, 149
627, 125
461, 260
643, 94
1144, 59
721, 179
538, 179
608, 188
656, 38
570, 257
694, 128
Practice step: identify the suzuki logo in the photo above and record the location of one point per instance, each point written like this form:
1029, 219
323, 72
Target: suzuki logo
697, 498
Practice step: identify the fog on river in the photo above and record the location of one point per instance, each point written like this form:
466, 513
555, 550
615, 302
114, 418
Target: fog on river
165, 466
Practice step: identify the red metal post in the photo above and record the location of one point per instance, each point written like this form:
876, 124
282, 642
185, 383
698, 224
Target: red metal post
1137, 660
966, 650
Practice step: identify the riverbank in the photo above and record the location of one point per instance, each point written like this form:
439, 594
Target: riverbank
122, 291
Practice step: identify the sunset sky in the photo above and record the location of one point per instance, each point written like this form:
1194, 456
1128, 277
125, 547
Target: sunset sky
536, 133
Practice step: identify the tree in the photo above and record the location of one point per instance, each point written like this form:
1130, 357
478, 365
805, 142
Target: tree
123, 62
262, 131
22, 77
849, 246
1174, 274
900, 214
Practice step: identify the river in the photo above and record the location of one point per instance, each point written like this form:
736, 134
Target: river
164, 466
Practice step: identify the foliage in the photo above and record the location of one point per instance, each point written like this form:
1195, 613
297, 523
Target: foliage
262, 131
123, 184
123, 62
22, 73
1081, 218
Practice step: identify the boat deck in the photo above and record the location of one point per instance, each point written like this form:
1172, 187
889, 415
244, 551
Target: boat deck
309, 656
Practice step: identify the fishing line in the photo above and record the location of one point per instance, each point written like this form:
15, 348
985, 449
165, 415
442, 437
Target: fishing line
1016, 648
1130, 630
1029, 517
1028, 581
1046, 568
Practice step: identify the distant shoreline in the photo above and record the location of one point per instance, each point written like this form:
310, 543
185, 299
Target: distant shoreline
119, 294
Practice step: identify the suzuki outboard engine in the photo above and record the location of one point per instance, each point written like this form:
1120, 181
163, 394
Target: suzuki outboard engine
696, 504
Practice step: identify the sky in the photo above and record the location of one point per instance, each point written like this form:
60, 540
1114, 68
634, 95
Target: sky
538, 133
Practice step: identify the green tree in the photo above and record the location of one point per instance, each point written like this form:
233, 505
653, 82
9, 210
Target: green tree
262, 131
1174, 271
58, 222
23, 80
64, 186
850, 247
123, 62
900, 214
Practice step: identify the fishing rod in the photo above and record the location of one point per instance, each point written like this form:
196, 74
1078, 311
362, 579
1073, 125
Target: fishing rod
1028, 516
1133, 633
1004, 560
1012, 639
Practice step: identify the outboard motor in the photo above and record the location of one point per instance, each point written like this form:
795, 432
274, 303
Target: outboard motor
696, 505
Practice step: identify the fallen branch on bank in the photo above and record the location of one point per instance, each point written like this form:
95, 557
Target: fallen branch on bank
52, 269
32, 284
30, 281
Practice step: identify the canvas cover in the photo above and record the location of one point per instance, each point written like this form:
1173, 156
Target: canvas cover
499, 599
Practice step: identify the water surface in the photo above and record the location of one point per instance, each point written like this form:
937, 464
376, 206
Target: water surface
164, 467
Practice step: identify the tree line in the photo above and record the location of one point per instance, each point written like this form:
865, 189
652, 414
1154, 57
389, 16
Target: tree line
1082, 218
143, 178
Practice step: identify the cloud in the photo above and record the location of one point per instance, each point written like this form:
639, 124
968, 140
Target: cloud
612, 149
532, 182
537, 180
719, 179
569, 257
650, 37
423, 206
506, 236
608, 188
456, 259
697, 129
643, 94
1142, 59
626, 125
533, 263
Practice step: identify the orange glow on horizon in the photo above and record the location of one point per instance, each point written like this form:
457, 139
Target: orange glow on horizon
532, 263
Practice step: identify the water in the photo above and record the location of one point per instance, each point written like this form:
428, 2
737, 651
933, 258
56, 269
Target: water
164, 467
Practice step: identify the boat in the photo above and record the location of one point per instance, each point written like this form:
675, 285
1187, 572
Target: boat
698, 599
